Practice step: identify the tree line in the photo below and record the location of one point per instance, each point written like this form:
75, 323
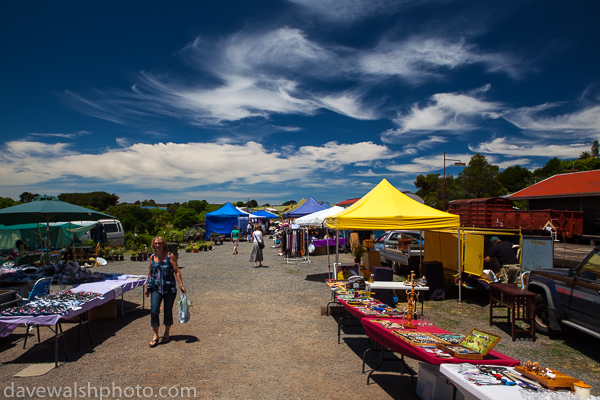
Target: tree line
481, 179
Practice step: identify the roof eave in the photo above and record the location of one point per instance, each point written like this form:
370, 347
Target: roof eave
552, 196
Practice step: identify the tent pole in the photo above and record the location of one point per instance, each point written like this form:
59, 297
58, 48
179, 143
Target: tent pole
459, 269
48, 241
327, 245
337, 247
420, 252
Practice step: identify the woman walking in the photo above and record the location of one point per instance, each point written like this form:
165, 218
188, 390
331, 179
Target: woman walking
161, 286
235, 238
256, 255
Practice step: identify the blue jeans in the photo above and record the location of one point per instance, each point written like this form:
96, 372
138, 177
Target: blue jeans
156, 298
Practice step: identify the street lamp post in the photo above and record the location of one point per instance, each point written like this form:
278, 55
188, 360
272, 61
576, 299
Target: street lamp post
458, 163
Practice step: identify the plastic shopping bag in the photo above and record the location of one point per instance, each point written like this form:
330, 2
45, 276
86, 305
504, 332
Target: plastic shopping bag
184, 308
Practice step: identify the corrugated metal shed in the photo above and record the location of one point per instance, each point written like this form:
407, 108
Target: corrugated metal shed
576, 184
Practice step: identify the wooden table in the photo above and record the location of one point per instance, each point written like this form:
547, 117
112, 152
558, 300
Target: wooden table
520, 301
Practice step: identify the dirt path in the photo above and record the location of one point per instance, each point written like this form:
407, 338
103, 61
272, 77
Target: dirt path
254, 334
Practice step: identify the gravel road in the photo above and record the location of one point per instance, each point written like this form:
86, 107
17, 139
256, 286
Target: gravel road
254, 333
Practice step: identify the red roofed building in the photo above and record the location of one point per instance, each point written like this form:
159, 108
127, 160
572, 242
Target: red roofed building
347, 203
577, 191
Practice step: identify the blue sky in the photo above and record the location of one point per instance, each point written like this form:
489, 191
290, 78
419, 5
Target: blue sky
283, 99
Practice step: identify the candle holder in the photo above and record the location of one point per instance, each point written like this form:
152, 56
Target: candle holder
411, 301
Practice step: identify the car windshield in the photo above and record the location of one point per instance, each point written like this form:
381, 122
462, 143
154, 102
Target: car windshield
591, 269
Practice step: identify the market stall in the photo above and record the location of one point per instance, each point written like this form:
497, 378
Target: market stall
386, 208
103, 293
46, 209
309, 207
224, 219
421, 343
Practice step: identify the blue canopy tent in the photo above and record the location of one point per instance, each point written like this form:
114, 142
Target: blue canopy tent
264, 214
223, 220
309, 207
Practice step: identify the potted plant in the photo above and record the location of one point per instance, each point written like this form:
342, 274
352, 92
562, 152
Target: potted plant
188, 249
196, 248
358, 251
205, 247
210, 246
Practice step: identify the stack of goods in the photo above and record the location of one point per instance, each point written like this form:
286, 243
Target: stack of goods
58, 303
62, 273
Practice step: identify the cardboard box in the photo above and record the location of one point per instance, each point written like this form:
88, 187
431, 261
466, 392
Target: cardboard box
107, 310
372, 259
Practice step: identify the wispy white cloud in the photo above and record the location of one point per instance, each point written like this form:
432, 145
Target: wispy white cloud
424, 165
504, 146
254, 75
172, 166
420, 58
449, 112
123, 142
58, 135
584, 123
512, 162
347, 11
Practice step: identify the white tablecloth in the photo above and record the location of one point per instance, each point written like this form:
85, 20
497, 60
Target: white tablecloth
474, 392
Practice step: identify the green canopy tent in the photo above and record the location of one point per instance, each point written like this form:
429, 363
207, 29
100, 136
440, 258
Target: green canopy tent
47, 209
32, 235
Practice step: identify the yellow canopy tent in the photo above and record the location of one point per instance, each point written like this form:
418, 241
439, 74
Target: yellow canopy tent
386, 208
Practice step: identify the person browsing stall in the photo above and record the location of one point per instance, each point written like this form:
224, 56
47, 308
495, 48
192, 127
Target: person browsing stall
502, 250
163, 273
256, 255
235, 238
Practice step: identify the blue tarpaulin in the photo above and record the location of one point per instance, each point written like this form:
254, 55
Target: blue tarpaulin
223, 220
264, 214
309, 207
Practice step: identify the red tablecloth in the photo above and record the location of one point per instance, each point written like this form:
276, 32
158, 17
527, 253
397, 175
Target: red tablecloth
360, 315
386, 338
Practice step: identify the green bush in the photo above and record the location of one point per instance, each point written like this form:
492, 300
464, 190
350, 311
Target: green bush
133, 242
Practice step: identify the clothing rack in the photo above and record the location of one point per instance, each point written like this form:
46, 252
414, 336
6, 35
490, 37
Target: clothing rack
294, 245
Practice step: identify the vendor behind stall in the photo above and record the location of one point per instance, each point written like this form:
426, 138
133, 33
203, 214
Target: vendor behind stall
509, 263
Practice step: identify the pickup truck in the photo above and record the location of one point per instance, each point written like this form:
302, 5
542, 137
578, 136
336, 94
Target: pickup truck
407, 254
568, 296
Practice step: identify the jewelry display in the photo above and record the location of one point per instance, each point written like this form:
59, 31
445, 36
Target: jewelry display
56, 303
412, 297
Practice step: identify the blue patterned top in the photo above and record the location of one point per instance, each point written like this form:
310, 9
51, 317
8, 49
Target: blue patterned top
162, 276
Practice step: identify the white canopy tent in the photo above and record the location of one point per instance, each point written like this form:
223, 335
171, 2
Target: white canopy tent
317, 218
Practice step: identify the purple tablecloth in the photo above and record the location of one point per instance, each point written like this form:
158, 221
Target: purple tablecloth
8, 324
331, 242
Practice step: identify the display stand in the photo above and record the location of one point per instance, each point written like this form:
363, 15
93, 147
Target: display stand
296, 248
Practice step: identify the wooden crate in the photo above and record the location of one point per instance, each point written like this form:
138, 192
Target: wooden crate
475, 345
561, 381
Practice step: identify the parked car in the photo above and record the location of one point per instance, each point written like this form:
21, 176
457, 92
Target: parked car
389, 252
113, 228
568, 296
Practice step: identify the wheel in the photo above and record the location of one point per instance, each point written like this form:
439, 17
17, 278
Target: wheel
542, 318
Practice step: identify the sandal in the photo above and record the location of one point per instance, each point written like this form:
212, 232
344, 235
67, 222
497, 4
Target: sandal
165, 340
153, 343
